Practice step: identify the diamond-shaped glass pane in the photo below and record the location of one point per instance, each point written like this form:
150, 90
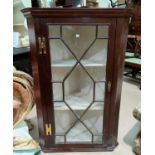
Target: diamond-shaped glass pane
79, 134
78, 91
78, 38
95, 59
61, 60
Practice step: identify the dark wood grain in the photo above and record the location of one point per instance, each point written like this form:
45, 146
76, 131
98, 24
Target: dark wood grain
33, 31
120, 46
76, 12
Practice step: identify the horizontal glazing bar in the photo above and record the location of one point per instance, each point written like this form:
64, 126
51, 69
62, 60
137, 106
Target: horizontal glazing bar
56, 81
103, 38
58, 135
64, 135
100, 81
58, 101
54, 38
98, 101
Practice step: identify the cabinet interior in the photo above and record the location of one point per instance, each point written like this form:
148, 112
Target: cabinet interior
78, 55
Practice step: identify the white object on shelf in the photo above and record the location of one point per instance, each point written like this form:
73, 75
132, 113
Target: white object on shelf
25, 41
104, 3
18, 24
84, 2
16, 39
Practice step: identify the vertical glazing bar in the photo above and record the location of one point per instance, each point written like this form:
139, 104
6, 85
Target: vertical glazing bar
96, 31
63, 91
60, 31
94, 91
65, 140
92, 139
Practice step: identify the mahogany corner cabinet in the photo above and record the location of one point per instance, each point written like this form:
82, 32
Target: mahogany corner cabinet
77, 62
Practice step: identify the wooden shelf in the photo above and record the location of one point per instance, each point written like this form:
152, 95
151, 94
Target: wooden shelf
71, 63
82, 106
18, 24
78, 136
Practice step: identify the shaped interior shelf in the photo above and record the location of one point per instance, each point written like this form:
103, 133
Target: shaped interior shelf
82, 99
79, 136
70, 63
83, 105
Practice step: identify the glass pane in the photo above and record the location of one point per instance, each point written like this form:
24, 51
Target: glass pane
78, 56
60, 139
93, 118
79, 134
99, 91
78, 91
95, 59
57, 87
98, 139
54, 31
78, 38
103, 31
64, 118
60, 53
61, 60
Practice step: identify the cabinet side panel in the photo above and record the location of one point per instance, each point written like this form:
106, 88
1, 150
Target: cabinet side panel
109, 77
120, 45
33, 30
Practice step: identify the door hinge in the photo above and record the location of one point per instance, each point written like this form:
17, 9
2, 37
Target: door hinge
42, 45
48, 129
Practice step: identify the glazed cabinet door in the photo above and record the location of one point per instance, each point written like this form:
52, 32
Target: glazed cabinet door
80, 57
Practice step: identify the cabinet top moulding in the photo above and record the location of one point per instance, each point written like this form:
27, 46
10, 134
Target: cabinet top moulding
77, 12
